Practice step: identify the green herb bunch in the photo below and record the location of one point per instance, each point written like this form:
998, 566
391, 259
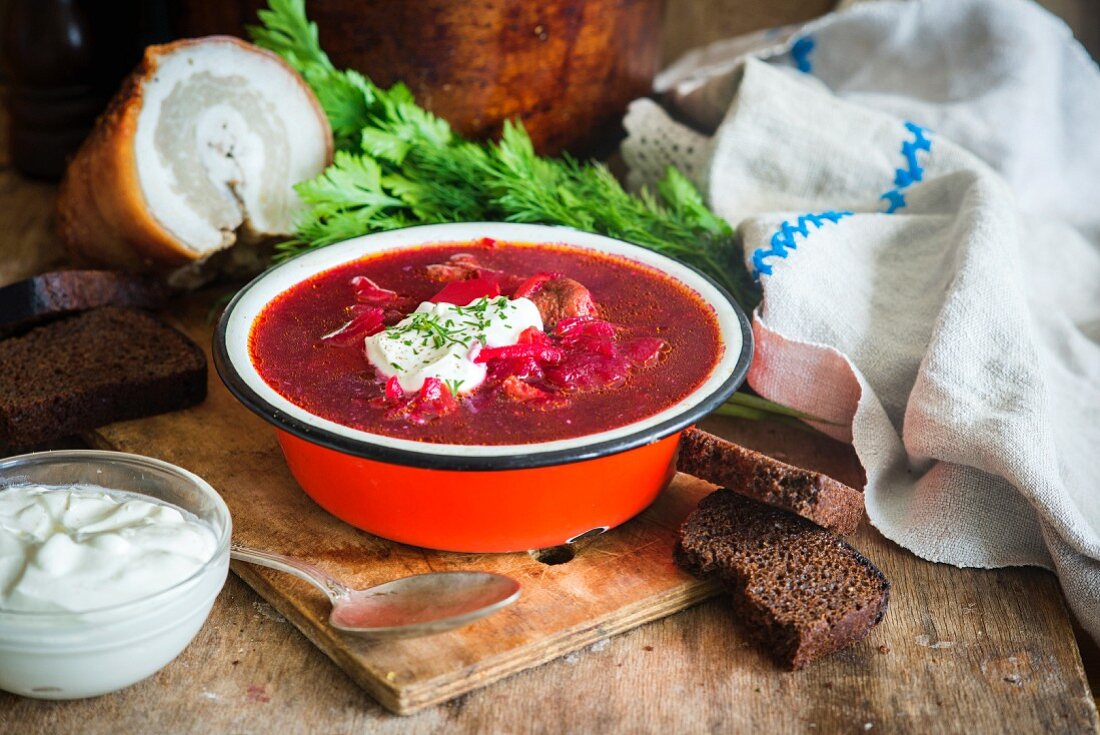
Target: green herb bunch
396, 164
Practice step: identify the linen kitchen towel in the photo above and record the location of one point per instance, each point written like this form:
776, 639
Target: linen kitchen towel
917, 189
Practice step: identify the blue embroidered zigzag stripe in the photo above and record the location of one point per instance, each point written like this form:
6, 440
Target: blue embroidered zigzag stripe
800, 54
913, 171
784, 239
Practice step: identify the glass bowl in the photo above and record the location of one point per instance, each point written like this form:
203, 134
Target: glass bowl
69, 655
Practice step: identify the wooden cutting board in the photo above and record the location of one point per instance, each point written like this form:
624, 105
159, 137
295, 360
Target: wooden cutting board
571, 597
959, 650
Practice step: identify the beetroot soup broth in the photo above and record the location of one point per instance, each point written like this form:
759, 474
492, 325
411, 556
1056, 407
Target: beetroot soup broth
620, 342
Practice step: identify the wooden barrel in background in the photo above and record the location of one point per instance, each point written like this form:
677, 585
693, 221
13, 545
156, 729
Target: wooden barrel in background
566, 68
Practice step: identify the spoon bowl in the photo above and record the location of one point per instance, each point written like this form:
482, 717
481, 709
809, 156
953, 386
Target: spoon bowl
422, 604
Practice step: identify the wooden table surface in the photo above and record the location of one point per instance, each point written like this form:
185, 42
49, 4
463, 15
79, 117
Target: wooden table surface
964, 651
985, 651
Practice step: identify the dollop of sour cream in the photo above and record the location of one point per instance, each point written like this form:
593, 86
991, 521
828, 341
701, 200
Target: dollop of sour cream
441, 341
79, 548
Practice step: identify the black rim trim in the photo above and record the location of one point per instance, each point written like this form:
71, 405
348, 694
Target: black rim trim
360, 448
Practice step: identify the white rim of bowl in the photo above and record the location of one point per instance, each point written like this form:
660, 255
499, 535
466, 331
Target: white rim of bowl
234, 364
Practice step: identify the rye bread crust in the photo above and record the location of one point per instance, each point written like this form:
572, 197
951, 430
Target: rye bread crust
105, 365
802, 591
816, 497
52, 295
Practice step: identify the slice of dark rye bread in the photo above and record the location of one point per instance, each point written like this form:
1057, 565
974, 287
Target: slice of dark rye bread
51, 295
811, 495
803, 591
88, 370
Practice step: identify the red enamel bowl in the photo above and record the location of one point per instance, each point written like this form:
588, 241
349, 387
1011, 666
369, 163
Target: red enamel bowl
477, 498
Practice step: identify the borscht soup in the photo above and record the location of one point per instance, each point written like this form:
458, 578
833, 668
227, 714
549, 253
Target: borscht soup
486, 343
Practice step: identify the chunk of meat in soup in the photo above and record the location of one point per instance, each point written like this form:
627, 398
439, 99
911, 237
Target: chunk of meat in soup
466, 267
557, 298
459, 267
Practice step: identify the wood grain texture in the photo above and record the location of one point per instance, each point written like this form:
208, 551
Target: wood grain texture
963, 646
616, 582
691, 23
959, 651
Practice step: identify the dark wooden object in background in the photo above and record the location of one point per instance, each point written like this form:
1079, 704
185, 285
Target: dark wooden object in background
692, 23
566, 68
62, 60
52, 97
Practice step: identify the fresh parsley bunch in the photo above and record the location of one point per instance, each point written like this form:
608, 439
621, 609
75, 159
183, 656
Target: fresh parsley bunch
397, 164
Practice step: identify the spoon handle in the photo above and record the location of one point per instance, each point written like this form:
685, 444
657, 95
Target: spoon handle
303, 570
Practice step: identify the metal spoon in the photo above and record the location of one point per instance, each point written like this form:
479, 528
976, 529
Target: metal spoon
422, 604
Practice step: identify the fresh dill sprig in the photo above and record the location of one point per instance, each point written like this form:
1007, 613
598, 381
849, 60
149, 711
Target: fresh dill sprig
347, 97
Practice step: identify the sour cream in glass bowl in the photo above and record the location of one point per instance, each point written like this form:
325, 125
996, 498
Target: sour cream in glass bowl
109, 565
